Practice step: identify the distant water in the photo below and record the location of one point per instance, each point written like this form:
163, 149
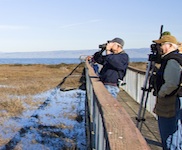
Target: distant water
51, 60
39, 60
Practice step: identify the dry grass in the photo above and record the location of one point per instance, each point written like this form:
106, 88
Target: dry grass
11, 107
19, 82
142, 65
139, 65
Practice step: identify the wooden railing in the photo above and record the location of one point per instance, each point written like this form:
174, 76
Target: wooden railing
109, 125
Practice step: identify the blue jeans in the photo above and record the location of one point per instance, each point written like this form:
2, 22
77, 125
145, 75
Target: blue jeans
96, 68
113, 90
168, 126
174, 141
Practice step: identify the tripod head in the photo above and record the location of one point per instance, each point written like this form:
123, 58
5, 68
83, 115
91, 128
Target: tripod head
156, 50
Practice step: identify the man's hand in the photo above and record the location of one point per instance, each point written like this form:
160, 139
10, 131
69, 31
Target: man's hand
109, 48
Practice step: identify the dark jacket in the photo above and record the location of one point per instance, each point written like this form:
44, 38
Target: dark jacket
114, 66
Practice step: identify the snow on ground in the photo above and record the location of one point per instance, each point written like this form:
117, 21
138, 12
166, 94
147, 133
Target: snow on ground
59, 123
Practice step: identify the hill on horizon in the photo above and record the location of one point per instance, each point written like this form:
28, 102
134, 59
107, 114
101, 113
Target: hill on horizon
133, 53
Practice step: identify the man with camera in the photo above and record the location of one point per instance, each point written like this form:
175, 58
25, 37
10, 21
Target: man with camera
115, 64
168, 81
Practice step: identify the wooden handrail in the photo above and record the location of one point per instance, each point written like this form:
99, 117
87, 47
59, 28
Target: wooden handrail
119, 131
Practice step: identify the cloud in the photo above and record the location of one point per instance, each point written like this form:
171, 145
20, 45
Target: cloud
80, 23
12, 27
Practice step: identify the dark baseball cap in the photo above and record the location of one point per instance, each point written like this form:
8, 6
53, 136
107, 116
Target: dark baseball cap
118, 40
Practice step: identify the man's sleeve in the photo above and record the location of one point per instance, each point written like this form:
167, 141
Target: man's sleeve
98, 58
172, 75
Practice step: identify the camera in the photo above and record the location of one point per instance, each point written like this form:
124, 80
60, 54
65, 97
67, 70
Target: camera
156, 53
155, 48
120, 83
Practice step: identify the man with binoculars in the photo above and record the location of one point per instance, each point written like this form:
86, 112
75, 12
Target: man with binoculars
115, 63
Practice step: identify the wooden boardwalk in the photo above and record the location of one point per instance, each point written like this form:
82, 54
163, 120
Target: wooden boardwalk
150, 127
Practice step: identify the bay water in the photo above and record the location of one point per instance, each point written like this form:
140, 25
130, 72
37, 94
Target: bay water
51, 60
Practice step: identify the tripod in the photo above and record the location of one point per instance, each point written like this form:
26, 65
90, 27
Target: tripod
147, 87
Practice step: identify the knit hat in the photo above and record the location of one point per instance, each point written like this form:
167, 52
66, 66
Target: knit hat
118, 40
166, 33
166, 38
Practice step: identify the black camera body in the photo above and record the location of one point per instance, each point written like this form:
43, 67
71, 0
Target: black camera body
155, 48
156, 53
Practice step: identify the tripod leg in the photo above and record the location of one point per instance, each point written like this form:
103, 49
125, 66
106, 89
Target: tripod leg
143, 112
147, 95
146, 88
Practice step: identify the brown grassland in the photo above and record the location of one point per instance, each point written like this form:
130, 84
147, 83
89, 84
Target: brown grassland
27, 80
139, 65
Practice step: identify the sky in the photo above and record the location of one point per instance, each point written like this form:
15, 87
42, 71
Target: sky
49, 25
